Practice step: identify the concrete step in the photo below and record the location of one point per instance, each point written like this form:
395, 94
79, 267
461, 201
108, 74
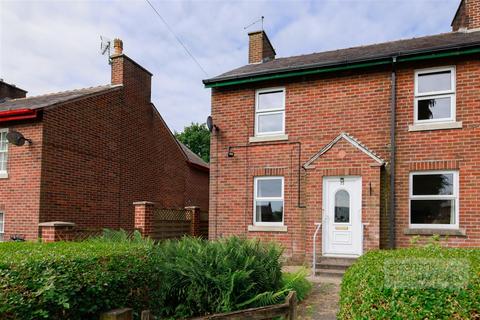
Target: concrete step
330, 273
333, 266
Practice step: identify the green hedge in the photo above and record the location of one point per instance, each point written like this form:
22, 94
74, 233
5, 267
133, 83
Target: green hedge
415, 283
174, 279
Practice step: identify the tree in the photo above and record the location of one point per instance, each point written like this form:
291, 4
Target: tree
197, 138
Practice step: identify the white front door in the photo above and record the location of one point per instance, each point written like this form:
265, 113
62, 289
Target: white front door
342, 216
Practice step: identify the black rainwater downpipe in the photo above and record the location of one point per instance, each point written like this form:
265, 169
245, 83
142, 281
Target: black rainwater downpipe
393, 107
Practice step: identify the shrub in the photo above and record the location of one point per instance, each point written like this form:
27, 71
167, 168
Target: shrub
414, 283
174, 279
74, 280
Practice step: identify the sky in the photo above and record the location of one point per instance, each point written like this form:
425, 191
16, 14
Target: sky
50, 46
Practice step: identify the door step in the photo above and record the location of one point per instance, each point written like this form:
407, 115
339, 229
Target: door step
333, 267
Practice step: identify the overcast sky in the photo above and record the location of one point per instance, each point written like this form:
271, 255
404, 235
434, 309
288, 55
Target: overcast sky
49, 46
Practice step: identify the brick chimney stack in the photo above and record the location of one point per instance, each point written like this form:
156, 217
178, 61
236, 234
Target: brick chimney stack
10, 91
259, 47
136, 79
467, 16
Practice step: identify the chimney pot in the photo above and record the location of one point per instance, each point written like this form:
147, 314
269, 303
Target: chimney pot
118, 46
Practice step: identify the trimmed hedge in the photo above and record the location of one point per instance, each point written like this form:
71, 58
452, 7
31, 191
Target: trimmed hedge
414, 283
174, 279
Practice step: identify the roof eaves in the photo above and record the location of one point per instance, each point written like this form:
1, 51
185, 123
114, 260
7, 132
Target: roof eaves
319, 67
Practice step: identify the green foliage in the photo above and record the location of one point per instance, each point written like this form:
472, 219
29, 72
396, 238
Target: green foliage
413, 283
197, 138
174, 279
296, 281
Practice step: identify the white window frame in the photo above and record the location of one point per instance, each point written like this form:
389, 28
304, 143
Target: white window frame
454, 196
255, 199
4, 173
269, 111
2, 220
436, 94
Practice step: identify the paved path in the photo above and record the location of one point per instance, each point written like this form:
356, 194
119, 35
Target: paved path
322, 302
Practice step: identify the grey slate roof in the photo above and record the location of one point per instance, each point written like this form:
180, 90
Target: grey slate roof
46, 100
192, 156
397, 48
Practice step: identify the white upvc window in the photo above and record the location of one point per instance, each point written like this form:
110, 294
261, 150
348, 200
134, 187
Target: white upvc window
268, 201
435, 95
434, 199
3, 153
270, 112
2, 225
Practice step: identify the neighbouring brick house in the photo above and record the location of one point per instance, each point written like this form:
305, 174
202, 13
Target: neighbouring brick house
372, 144
93, 153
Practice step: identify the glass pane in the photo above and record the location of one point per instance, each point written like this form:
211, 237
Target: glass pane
3, 141
437, 108
432, 211
269, 188
270, 100
3, 161
1, 222
437, 81
270, 122
342, 206
433, 184
269, 211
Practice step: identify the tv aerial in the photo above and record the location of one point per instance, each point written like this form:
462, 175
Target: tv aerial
105, 45
255, 22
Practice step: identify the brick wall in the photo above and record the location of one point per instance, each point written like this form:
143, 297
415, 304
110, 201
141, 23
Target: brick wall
456, 149
259, 48
467, 16
20, 192
318, 108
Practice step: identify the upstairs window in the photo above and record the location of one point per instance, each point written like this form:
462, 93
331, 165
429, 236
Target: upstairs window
270, 112
434, 199
268, 198
3, 152
435, 95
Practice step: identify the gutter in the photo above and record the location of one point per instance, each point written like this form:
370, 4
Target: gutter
19, 114
346, 65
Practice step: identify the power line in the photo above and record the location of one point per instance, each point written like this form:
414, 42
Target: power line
176, 37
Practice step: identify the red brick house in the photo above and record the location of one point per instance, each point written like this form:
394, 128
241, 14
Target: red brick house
372, 144
93, 152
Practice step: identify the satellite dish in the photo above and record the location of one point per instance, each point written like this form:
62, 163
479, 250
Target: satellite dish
105, 45
17, 139
210, 124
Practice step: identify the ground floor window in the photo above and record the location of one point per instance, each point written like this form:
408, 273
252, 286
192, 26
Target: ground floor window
2, 225
268, 201
434, 199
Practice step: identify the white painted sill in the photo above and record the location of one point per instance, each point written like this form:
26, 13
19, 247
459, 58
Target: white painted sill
435, 126
268, 228
3, 175
432, 231
277, 137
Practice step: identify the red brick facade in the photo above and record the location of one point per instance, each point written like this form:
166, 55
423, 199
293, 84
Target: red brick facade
467, 16
320, 107
92, 158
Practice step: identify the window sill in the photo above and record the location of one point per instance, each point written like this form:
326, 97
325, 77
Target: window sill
430, 232
268, 228
435, 126
277, 137
3, 175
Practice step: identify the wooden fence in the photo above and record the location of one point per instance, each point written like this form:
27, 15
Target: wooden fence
287, 310
176, 223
